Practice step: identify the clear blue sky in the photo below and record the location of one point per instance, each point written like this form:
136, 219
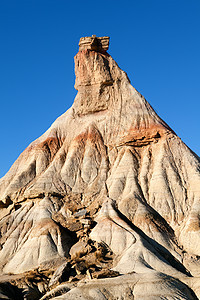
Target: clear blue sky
157, 42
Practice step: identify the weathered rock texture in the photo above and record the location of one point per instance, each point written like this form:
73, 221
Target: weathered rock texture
109, 188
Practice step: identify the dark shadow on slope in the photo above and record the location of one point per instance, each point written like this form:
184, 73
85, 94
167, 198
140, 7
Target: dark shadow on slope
158, 247
184, 288
9, 291
69, 238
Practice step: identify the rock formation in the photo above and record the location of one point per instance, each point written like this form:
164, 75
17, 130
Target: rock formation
106, 203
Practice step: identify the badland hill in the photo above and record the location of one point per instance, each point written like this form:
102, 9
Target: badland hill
106, 203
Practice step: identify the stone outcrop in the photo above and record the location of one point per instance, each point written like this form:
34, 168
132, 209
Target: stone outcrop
108, 191
94, 43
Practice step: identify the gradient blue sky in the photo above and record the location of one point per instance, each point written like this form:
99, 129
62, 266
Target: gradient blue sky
157, 42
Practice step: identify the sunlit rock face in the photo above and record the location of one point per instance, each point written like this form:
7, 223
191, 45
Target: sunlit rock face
109, 171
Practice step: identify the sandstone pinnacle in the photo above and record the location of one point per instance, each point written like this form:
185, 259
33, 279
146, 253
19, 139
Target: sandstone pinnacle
109, 190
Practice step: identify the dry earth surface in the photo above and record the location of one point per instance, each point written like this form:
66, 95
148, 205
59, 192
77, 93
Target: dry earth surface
106, 203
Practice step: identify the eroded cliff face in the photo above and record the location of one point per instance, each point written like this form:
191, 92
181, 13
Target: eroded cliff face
108, 173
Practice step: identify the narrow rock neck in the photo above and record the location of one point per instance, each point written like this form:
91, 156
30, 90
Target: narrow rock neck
94, 80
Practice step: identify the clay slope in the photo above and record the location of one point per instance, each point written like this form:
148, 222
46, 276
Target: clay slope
109, 186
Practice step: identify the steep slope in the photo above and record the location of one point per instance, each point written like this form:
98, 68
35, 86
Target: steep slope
111, 171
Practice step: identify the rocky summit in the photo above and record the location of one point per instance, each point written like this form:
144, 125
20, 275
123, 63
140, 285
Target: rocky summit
106, 203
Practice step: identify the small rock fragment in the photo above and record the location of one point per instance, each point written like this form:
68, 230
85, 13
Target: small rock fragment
86, 221
80, 213
78, 250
